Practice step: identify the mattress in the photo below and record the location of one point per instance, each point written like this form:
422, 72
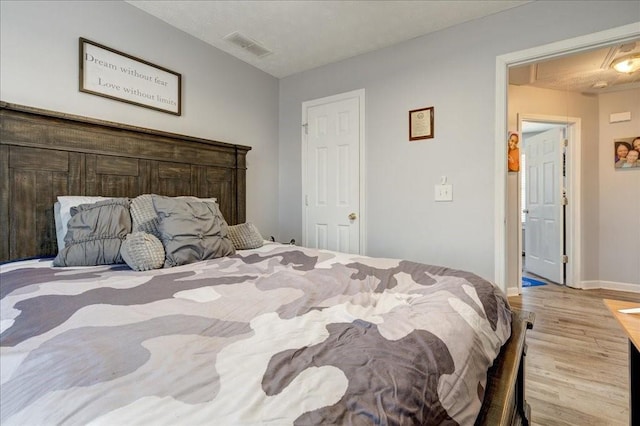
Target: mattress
278, 335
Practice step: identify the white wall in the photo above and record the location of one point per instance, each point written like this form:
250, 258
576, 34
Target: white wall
223, 98
619, 199
454, 71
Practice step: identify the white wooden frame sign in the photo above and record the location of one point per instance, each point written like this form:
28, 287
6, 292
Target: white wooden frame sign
116, 75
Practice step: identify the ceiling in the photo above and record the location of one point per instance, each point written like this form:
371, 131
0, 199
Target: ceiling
290, 36
305, 34
586, 72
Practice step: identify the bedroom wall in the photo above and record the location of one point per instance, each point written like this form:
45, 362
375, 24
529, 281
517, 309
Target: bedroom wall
454, 71
619, 200
223, 98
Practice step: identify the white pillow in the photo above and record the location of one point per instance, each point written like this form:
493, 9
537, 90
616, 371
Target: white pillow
62, 213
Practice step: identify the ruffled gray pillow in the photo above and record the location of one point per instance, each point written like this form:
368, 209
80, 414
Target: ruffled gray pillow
245, 236
142, 251
95, 233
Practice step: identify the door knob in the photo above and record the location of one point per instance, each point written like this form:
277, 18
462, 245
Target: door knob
353, 216
525, 211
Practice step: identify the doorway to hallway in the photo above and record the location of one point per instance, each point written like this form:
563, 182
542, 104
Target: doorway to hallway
548, 197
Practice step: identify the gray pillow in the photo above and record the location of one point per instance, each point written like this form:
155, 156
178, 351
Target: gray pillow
144, 216
142, 251
62, 212
95, 233
191, 230
245, 236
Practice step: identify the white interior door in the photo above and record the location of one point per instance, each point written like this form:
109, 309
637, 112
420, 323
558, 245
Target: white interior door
332, 213
544, 240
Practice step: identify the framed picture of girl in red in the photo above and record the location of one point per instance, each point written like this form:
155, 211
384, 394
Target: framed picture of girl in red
513, 152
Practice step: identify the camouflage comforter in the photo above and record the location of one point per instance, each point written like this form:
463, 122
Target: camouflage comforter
274, 336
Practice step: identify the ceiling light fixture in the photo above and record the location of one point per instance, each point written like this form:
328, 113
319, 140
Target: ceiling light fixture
627, 64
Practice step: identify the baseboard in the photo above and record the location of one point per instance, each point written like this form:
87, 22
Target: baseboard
610, 285
513, 291
592, 285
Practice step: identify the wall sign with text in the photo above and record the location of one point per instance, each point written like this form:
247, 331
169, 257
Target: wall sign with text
116, 75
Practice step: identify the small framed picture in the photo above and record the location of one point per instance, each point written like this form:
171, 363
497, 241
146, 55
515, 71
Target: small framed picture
421, 124
513, 152
626, 153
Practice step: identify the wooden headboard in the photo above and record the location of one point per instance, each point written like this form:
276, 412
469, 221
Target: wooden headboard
44, 154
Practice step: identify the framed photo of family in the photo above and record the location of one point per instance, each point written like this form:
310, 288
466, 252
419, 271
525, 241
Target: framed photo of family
626, 153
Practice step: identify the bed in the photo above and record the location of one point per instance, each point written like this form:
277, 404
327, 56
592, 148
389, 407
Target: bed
270, 334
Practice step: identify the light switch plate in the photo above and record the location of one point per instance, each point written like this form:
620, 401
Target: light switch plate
443, 193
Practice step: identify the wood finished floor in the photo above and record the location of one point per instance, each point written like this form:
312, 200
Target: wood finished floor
577, 370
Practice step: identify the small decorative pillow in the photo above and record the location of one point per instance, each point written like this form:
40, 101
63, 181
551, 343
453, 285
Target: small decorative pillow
191, 230
95, 233
245, 236
142, 251
143, 215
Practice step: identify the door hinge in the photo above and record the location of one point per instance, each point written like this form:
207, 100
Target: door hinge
565, 201
306, 128
566, 142
565, 258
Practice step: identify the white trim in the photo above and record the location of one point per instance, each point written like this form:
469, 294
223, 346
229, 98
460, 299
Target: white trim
610, 285
363, 204
500, 176
561, 48
359, 94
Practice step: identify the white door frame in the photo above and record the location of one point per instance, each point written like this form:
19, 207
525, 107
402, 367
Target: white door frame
359, 94
573, 215
536, 54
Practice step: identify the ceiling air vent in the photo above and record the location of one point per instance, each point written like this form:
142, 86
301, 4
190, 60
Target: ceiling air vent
248, 44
